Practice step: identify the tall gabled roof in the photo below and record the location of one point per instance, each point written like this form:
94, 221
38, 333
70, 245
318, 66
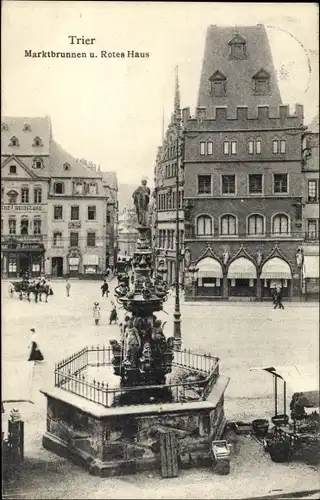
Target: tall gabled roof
14, 126
59, 157
238, 72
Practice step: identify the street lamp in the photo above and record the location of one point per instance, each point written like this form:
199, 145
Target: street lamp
177, 313
193, 270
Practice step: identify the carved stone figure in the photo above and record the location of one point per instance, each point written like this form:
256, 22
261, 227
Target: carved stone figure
259, 257
225, 257
141, 198
299, 257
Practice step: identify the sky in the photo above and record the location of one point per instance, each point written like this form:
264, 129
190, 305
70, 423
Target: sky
110, 110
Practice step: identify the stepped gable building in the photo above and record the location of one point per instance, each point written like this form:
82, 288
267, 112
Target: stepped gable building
168, 165
76, 218
242, 173
25, 171
310, 172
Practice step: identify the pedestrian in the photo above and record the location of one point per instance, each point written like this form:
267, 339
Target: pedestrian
105, 289
35, 353
278, 302
274, 294
113, 314
108, 272
96, 313
68, 286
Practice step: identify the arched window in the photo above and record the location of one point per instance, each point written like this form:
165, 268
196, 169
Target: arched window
251, 146
282, 146
14, 141
58, 188
26, 127
275, 146
255, 224
202, 148
204, 225
280, 224
228, 225
92, 188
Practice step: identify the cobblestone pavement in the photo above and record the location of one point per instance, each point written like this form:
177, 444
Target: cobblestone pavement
241, 334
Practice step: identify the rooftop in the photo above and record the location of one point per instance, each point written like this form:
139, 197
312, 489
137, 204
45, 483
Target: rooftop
237, 72
59, 158
25, 130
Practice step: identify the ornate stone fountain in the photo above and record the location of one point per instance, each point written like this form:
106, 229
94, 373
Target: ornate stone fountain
165, 407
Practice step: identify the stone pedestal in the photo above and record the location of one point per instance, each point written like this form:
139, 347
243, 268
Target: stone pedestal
123, 440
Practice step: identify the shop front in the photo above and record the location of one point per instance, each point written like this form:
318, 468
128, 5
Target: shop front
23, 259
276, 273
91, 267
242, 278
210, 278
311, 277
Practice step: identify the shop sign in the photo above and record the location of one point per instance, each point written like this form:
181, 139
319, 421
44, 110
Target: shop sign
21, 208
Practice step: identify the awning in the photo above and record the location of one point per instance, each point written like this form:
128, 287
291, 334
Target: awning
276, 268
299, 379
17, 379
242, 268
311, 266
209, 268
74, 261
91, 260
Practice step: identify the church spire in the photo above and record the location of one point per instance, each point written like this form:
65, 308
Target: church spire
177, 110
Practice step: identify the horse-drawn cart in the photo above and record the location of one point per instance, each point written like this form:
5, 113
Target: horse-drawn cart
25, 288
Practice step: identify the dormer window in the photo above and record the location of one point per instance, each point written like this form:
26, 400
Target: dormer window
12, 169
37, 142
27, 128
237, 48
218, 84
37, 163
261, 83
14, 141
4, 126
66, 167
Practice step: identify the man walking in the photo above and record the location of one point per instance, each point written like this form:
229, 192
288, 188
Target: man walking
278, 302
105, 289
68, 286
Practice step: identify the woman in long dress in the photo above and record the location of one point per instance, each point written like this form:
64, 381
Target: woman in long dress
35, 353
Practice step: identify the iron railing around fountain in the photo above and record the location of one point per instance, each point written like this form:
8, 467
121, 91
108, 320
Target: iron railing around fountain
71, 375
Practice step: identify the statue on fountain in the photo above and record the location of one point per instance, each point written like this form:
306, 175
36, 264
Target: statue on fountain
141, 198
143, 356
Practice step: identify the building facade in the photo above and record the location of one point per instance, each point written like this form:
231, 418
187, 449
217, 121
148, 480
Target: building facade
310, 172
241, 163
76, 219
54, 208
168, 169
110, 184
127, 233
25, 171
